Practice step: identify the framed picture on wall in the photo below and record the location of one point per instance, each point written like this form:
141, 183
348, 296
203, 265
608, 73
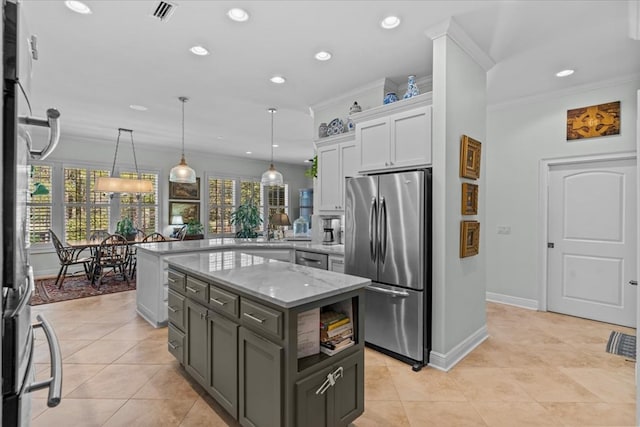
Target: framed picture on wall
188, 210
470, 151
182, 191
469, 199
469, 238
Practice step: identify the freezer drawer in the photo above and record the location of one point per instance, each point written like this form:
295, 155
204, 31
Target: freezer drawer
394, 319
312, 259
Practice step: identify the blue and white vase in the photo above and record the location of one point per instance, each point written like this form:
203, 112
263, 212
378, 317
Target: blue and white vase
389, 98
412, 88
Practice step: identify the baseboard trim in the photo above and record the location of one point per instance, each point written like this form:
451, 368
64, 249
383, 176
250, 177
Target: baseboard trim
444, 362
527, 303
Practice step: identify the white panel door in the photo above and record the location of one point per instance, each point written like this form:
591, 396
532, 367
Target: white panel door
592, 226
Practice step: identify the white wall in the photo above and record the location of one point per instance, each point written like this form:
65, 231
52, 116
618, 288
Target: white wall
100, 153
459, 100
519, 135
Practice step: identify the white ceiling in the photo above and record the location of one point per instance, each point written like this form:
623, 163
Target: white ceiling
92, 67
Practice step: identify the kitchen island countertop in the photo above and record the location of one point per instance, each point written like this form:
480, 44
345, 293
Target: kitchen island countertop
281, 283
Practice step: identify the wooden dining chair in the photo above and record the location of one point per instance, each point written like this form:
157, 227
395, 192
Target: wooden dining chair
69, 256
153, 237
112, 253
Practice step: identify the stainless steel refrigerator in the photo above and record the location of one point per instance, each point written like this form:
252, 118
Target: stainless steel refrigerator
388, 239
17, 345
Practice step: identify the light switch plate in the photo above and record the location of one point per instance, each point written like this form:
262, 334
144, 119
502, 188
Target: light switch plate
504, 229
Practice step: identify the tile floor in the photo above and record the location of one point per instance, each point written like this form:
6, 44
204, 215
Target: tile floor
536, 369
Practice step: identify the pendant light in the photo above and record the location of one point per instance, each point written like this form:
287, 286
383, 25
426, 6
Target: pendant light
182, 172
272, 176
112, 184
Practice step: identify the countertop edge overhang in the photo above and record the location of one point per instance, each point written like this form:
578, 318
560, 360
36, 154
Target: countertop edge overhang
283, 284
163, 248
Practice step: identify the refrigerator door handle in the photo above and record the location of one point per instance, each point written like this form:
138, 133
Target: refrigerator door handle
403, 294
373, 235
383, 230
55, 381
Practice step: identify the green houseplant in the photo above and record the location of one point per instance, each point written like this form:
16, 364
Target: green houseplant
247, 219
126, 228
194, 230
312, 172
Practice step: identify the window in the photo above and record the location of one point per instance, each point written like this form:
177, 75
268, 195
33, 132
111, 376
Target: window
143, 208
223, 199
85, 211
39, 203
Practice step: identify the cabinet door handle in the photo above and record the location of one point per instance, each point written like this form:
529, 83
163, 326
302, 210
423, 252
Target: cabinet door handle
254, 318
173, 346
338, 373
195, 291
173, 310
325, 385
217, 301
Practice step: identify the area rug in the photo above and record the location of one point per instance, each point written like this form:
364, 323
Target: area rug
622, 344
77, 287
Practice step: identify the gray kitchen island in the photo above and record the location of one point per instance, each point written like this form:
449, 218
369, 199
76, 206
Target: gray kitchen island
244, 326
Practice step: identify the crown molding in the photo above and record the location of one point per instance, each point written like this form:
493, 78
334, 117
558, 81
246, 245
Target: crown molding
455, 32
565, 92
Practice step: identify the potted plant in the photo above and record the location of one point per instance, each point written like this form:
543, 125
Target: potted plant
126, 228
194, 230
247, 219
312, 172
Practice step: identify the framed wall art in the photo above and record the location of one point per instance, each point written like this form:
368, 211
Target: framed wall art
470, 151
469, 205
593, 121
188, 210
182, 191
469, 238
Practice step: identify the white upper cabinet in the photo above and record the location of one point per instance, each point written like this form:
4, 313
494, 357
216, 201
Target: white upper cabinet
337, 160
393, 139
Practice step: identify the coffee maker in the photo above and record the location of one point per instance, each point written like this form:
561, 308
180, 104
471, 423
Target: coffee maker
331, 231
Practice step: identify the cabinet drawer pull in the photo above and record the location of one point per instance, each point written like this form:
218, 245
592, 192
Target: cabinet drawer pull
172, 280
173, 346
195, 291
173, 310
254, 318
217, 301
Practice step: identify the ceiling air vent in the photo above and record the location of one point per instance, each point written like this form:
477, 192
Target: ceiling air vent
163, 10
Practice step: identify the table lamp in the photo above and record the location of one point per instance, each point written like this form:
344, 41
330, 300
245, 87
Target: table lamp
176, 220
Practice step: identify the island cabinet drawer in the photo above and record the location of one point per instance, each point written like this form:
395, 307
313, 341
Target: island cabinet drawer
176, 343
197, 289
175, 307
176, 280
223, 301
261, 317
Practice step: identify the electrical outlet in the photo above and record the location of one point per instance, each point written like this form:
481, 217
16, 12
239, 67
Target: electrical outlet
504, 229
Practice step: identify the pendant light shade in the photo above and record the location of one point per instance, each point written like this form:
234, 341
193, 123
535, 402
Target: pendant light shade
272, 176
112, 184
182, 172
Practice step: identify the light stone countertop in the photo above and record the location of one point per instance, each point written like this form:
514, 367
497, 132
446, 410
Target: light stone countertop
282, 283
163, 248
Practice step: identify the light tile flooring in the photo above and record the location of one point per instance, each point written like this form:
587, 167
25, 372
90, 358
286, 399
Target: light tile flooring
536, 369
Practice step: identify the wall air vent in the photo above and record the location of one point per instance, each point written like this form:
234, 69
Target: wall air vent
163, 10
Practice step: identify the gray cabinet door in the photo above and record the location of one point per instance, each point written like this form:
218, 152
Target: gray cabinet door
312, 409
196, 352
349, 390
223, 362
260, 381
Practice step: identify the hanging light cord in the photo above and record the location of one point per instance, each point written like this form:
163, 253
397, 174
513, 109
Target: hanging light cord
272, 113
183, 101
133, 147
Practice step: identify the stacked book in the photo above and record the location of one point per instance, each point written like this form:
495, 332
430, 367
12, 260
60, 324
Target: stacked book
336, 332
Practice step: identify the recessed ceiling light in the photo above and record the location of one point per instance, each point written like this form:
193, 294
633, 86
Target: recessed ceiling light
275, 145
390, 22
138, 107
323, 56
78, 7
278, 80
564, 73
248, 152
307, 161
238, 15
199, 50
